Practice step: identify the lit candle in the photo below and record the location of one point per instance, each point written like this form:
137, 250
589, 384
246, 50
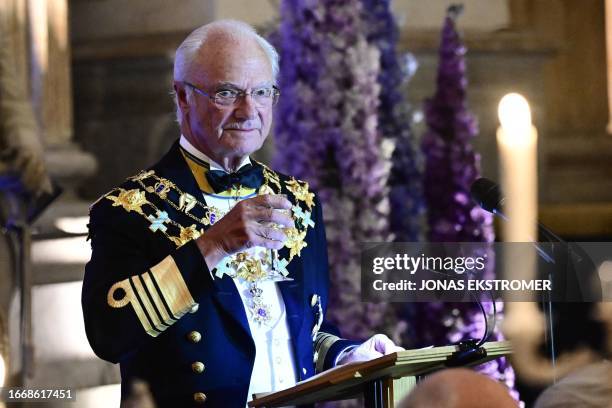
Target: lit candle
524, 323
517, 143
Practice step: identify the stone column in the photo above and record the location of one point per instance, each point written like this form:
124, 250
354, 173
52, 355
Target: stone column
36, 128
50, 69
609, 49
51, 91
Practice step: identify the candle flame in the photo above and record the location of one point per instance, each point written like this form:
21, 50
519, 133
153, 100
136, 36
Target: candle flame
514, 114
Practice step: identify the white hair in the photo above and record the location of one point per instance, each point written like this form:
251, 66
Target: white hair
186, 52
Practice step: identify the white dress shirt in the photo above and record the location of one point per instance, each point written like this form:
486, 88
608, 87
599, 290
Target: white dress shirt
274, 368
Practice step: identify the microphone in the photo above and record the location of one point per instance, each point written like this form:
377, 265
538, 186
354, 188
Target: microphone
487, 194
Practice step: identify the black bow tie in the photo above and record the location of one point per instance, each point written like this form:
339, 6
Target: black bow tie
247, 176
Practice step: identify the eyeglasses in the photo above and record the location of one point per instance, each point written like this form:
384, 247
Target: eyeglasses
264, 96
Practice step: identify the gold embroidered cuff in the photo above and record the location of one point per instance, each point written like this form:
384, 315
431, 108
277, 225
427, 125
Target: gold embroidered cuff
323, 343
147, 300
172, 287
130, 297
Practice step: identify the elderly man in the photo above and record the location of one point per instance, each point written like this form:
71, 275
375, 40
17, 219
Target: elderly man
209, 277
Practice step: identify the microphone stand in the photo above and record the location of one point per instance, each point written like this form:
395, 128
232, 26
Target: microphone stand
562, 254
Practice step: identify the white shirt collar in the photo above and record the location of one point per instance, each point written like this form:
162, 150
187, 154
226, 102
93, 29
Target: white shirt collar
184, 143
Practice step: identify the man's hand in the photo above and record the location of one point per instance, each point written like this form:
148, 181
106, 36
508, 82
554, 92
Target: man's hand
376, 346
245, 226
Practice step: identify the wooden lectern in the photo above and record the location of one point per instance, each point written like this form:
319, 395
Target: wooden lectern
383, 381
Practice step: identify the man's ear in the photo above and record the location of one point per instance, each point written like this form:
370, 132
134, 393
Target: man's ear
181, 95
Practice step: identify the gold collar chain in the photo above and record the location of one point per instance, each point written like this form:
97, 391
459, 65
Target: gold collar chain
241, 265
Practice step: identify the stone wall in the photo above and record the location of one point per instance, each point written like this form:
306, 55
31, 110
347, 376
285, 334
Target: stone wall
123, 115
484, 15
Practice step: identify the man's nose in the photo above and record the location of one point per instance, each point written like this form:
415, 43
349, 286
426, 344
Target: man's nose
245, 108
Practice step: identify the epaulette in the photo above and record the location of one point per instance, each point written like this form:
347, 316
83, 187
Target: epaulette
145, 195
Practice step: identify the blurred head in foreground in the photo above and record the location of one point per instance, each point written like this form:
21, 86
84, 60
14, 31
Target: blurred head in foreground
589, 386
140, 397
458, 388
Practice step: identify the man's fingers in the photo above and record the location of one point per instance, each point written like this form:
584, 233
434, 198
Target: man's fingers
376, 346
268, 243
278, 201
259, 222
384, 344
271, 238
367, 354
275, 216
272, 234
360, 354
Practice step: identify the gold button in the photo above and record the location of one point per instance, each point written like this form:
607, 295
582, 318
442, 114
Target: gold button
197, 367
313, 300
199, 397
194, 336
194, 308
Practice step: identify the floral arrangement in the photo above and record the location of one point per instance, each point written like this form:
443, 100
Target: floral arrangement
451, 166
342, 125
327, 134
394, 122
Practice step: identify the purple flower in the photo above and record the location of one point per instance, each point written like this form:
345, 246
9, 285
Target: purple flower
451, 166
327, 133
394, 116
